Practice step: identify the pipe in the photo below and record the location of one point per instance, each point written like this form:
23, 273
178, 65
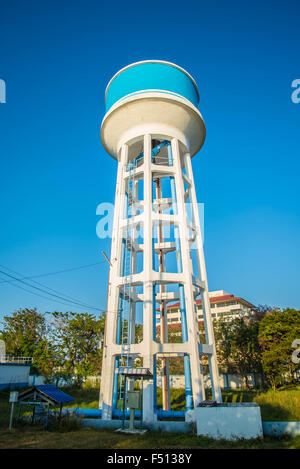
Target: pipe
187, 368
157, 149
118, 413
115, 385
169, 414
154, 152
163, 319
154, 357
97, 413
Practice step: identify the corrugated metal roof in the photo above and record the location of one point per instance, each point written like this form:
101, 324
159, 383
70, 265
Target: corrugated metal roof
54, 393
218, 299
49, 391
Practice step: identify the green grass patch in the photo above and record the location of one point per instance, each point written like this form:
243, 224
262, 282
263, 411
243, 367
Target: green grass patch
89, 438
279, 405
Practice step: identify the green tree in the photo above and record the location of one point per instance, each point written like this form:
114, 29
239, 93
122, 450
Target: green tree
277, 330
26, 333
238, 347
77, 338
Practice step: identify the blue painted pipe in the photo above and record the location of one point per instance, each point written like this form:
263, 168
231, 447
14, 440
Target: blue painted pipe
118, 413
115, 385
120, 308
170, 414
154, 338
97, 413
157, 149
186, 359
92, 413
154, 152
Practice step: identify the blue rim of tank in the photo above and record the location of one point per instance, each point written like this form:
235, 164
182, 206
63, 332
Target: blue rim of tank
152, 76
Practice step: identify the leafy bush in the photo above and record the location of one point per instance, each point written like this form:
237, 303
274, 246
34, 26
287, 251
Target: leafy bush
69, 422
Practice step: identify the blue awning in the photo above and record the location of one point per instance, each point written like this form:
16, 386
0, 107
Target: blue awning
54, 393
48, 391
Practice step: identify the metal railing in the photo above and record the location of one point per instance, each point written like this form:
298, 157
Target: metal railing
17, 360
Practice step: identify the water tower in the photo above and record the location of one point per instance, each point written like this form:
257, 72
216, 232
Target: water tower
153, 127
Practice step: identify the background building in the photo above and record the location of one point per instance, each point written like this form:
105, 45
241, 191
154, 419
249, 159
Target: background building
222, 304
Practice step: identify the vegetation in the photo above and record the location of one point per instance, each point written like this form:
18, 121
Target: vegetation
27, 333
262, 344
62, 345
89, 438
280, 405
238, 346
66, 345
277, 331
77, 337
284, 403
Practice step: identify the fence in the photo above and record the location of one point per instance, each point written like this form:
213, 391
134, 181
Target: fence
227, 381
16, 360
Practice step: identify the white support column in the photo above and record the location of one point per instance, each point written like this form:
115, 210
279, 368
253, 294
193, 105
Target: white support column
209, 332
133, 268
107, 375
192, 325
148, 401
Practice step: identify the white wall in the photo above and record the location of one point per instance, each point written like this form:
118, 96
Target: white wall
14, 374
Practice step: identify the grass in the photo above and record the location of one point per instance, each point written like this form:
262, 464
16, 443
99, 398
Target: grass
89, 438
280, 405
283, 404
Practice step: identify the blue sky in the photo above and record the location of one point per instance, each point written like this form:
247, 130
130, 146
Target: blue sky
57, 58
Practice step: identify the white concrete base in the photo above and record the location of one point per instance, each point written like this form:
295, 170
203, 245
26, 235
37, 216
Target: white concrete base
132, 432
163, 426
229, 421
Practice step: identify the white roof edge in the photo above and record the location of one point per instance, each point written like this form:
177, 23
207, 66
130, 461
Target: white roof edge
152, 61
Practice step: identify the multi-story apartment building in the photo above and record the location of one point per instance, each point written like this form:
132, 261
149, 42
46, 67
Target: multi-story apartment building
222, 304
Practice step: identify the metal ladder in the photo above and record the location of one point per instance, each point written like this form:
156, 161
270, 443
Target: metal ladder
127, 289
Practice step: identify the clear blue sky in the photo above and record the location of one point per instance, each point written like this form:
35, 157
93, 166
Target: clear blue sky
57, 58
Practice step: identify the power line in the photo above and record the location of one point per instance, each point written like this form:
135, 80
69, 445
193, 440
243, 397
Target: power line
53, 273
38, 283
78, 303
43, 296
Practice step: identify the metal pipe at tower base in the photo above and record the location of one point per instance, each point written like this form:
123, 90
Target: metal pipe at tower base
118, 413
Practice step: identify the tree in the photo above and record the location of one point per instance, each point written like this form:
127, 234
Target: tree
77, 338
260, 311
277, 331
237, 344
26, 333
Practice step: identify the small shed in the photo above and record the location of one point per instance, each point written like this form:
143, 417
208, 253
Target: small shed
41, 398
